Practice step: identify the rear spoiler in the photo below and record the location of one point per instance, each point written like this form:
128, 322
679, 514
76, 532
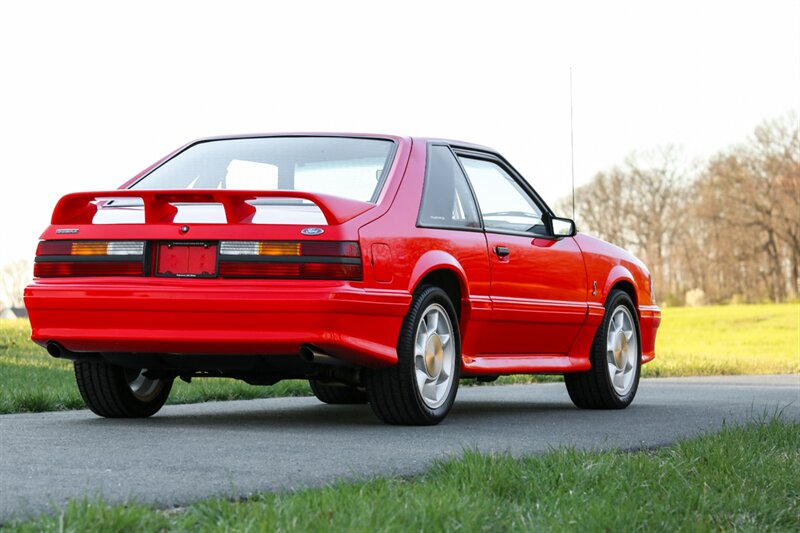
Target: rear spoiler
81, 207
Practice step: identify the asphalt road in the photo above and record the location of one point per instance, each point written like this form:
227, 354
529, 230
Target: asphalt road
190, 452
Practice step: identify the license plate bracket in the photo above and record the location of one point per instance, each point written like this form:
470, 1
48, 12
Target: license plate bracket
187, 259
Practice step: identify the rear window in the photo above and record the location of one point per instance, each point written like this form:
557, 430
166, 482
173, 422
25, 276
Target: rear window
341, 166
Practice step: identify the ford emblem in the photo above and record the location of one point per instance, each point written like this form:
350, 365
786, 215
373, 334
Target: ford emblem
312, 231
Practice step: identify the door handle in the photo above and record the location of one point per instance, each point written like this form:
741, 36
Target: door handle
502, 251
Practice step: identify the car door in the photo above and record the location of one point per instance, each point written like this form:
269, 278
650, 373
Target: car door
538, 282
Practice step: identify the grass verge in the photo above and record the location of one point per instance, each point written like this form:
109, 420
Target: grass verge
744, 478
700, 341
32, 381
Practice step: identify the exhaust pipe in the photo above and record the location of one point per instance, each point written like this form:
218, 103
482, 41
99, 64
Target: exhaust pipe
59, 352
55, 349
311, 354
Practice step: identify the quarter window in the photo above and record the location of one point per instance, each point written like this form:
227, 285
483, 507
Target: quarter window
504, 205
446, 199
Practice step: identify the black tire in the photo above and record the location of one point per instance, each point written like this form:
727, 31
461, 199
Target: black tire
594, 389
337, 393
108, 392
393, 392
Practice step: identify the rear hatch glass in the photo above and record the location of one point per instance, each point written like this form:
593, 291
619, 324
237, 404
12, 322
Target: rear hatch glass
348, 167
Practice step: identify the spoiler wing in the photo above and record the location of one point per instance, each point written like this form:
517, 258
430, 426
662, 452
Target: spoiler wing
81, 207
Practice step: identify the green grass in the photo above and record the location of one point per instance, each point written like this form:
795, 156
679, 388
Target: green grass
32, 381
700, 341
744, 478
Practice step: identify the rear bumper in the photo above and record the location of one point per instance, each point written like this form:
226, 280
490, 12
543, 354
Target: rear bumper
649, 320
195, 316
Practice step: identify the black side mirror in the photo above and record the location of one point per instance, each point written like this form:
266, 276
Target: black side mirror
563, 227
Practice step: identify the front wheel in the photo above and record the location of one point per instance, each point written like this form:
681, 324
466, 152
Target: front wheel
421, 388
112, 391
616, 359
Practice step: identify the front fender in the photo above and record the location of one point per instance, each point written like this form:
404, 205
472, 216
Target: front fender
615, 275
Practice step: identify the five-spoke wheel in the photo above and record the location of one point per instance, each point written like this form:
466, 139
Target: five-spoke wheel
421, 388
434, 356
616, 359
622, 350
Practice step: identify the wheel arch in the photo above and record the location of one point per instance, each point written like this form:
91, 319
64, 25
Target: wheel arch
443, 270
628, 288
621, 278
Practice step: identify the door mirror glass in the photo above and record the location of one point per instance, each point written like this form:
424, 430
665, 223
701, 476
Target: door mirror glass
563, 227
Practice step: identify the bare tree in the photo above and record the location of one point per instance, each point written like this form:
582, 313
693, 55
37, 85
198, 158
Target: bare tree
775, 162
637, 206
730, 228
602, 207
748, 200
14, 277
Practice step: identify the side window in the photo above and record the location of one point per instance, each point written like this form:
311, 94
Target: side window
446, 199
504, 205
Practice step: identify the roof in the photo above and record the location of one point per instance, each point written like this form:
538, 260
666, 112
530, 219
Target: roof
415, 139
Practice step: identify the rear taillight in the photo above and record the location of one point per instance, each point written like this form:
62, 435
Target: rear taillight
89, 258
290, 259
236, 259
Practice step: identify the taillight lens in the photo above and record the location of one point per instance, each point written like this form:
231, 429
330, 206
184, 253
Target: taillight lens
72, 248
290, 259
290, 248
89, 258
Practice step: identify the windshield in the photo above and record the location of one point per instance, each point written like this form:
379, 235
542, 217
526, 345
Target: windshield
341, 166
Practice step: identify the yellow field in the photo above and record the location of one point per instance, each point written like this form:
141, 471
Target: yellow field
732, 339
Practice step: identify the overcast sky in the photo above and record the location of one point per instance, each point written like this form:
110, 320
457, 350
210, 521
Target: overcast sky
92, 92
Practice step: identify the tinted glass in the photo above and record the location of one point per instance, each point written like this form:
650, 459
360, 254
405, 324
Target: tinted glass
504, 205
446, 198
341, 166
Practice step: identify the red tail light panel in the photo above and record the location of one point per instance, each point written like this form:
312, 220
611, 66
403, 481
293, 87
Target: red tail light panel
263, 269
65, 269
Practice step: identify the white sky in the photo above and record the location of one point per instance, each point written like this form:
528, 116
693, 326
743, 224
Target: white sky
93, 92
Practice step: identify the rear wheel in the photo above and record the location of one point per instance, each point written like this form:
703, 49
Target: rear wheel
116, 392
616, 360
337, 393
421, 388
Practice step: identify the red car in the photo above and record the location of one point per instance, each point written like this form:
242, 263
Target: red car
382, 269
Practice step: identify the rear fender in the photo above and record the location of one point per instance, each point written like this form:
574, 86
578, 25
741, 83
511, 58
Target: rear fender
438, 260
434, 260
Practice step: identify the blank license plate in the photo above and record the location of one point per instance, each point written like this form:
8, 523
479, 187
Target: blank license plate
187, 260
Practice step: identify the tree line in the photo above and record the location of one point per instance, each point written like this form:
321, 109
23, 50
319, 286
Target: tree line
726, 230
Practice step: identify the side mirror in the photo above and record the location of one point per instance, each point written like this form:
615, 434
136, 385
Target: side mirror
563, 227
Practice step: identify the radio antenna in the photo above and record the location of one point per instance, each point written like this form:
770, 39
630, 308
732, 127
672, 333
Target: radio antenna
571, 144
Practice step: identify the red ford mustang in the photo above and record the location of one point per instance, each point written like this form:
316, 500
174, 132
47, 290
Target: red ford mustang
382, 269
